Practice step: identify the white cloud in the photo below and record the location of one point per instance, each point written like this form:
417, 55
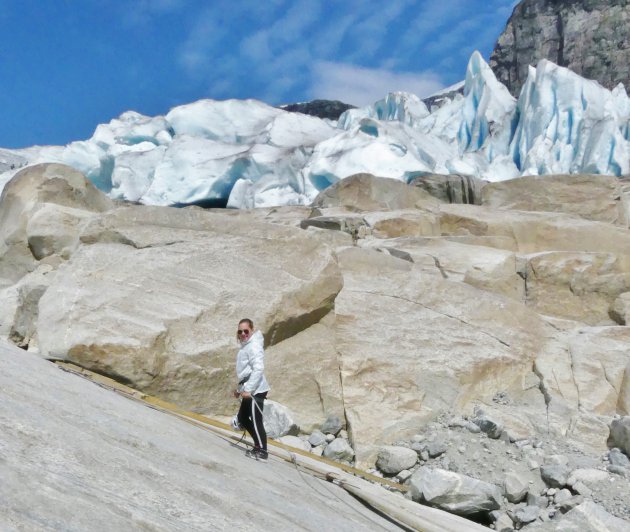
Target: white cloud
363, 86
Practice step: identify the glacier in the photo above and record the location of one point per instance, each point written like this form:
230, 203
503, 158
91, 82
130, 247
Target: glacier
245, 153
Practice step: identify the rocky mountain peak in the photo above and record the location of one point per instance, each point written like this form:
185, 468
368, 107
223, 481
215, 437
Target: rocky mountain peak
591, 37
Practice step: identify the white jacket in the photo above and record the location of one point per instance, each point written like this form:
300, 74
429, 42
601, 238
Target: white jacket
250, 365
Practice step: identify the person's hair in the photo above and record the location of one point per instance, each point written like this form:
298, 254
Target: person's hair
249, 322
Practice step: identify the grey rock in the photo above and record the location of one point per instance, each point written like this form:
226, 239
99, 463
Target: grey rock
403, 476
332, 425
525, 515
620, 434
424, 455
536, 500
619, 470
591, 517
317, 438
319, 450
329, 438
617, 458
330, 109
418, 446
590, 37
503, 523
392, 460
515, 487
488, 425
294, 441
278, 420
472, 427
582, 489
454, 492
588, 476
570, 503
436, 448
557, 459
562, 496
339, 450
555, 475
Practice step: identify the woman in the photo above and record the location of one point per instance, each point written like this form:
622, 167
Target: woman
252, 386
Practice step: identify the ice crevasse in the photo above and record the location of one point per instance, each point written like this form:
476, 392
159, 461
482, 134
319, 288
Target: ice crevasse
245, 153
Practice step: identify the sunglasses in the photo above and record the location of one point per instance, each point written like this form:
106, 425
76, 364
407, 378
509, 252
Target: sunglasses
243, 331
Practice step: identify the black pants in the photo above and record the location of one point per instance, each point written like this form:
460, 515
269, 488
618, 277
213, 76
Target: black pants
250, 416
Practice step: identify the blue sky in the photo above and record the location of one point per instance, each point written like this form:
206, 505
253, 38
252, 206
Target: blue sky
68, 65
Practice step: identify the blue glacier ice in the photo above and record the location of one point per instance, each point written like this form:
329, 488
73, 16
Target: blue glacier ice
245, 153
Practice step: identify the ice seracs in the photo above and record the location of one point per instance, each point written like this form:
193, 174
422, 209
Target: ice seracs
567, 124
244, 153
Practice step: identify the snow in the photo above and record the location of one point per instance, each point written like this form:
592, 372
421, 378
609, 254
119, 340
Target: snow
248, 154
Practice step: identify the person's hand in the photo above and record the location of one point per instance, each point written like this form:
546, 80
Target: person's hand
246, 395
235, 394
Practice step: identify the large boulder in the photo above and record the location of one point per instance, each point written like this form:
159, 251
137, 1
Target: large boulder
365, 192
153, 294
594, 197
422, 345
453, 492
66, 198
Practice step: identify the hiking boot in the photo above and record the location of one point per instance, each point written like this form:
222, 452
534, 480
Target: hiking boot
257, 454
252, 453
262, 455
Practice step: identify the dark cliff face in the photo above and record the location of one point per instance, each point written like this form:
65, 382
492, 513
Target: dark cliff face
331, 109
591, 37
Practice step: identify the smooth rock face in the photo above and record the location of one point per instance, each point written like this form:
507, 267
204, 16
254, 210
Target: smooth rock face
590, 37
392, 459
77, 456
453, 492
